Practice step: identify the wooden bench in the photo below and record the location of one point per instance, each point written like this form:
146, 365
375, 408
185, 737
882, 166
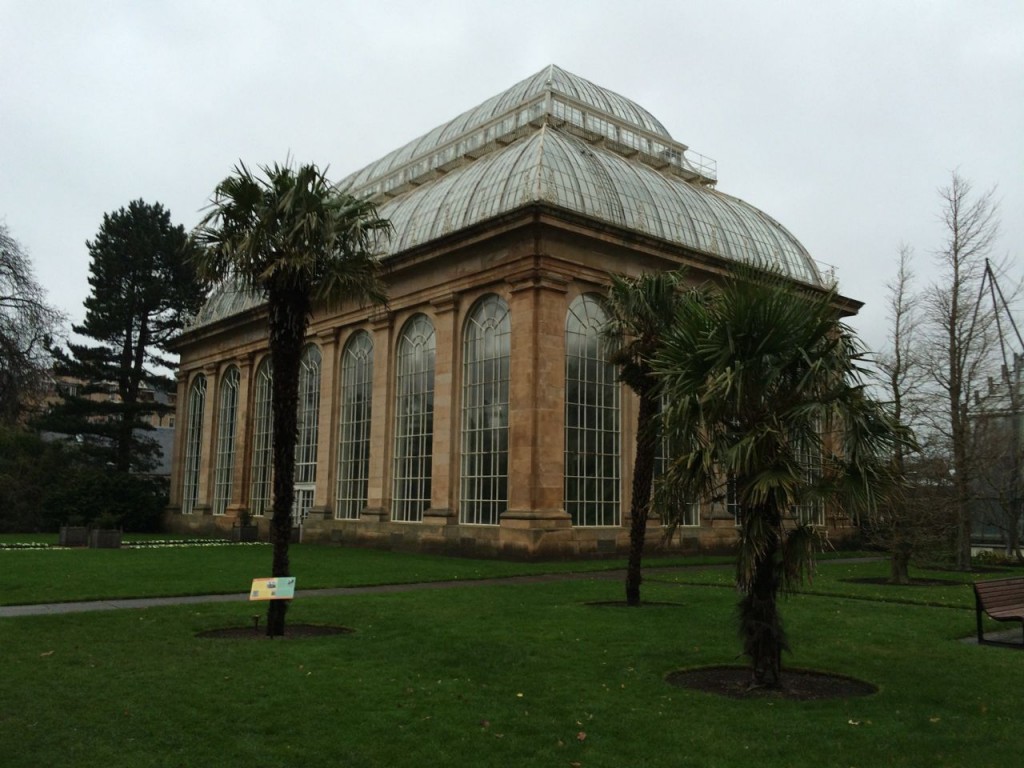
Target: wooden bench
1001, 599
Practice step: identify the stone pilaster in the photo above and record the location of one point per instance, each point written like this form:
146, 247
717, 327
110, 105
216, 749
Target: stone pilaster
208, 440
241, 471
443, 460
180, 408
327, 444
378, 494
536, 406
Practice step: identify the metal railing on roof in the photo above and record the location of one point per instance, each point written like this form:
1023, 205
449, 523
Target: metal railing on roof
561, 111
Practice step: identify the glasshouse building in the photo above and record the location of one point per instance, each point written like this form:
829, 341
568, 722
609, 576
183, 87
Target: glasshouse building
477, 413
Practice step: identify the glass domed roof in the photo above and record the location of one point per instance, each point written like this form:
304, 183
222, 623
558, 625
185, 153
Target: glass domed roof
558, 139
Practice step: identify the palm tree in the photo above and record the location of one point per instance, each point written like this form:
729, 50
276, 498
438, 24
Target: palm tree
296, 239
640, 310
764, 390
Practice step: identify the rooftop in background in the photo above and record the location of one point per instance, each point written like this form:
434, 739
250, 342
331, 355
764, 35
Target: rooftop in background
559, 140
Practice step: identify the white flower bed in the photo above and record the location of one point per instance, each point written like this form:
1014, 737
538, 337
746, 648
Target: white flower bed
146, 544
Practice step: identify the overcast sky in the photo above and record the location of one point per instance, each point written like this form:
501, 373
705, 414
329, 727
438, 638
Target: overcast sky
839, 119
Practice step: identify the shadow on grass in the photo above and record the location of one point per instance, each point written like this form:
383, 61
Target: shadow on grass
797, 684
643, 604
291, 632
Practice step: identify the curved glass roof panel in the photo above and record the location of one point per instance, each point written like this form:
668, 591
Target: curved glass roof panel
226, 298
557, 168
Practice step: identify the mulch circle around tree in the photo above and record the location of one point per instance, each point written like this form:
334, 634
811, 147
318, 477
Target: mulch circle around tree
797, 684
883, 581
291, 632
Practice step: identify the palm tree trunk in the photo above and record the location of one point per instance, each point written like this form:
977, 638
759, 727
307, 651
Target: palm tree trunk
760, 623
899, 571
287, 332
640, 504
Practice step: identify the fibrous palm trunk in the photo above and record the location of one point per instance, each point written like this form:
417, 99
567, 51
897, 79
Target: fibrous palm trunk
760, 623
287, 332
899, 572
640, 504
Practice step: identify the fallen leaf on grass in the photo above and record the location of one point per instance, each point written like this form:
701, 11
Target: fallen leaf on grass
44, 654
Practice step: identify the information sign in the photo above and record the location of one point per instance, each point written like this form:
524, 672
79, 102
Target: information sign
279, 588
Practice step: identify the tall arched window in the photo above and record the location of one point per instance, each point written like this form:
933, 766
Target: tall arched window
591, 419
485, 377
193, 444
356, 398
262, 439
414, 420
307, 426
226, 420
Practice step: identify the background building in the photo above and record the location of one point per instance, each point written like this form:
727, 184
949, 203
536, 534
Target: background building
997, 443
477, 414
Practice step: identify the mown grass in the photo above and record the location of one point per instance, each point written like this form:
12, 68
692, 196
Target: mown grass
525, 675
61, 575
846, 579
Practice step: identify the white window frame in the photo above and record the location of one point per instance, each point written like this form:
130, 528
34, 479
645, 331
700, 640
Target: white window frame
486, 361
355, 419
227, 425
592, 474
262, 440
193, 444
414, 420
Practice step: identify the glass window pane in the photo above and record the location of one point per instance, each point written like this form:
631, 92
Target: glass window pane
485, 394
226, 424
356, 396
262, 440
414, 420
591, 419
193, 444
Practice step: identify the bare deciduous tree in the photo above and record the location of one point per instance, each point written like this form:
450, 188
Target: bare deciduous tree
27, 323
899, 522
959, 339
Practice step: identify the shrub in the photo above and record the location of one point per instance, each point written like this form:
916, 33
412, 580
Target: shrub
45, 484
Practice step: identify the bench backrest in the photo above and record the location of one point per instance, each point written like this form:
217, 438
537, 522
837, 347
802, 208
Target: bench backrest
1000, 593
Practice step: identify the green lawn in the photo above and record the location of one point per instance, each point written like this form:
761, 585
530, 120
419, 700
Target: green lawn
58, 575
526, 675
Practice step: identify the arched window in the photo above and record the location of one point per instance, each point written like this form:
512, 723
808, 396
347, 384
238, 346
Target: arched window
414, 420
193, 444
307, 431
262, 439
591, 419
485, 377
226, 420
356, 398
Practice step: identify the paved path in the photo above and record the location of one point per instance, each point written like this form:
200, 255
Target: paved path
45, 609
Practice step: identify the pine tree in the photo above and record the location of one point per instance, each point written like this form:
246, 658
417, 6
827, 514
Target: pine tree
144, 288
